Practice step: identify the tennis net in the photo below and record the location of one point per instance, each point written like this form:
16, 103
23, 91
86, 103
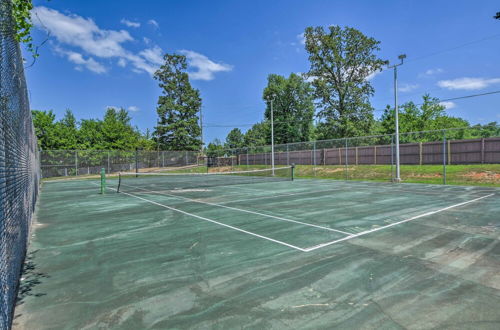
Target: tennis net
134, 182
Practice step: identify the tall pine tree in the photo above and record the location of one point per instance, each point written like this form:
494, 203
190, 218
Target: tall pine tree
178, 123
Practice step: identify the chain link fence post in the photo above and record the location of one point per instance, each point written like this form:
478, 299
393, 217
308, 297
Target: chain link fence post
444, 156
346, 162
392, 157
314, 157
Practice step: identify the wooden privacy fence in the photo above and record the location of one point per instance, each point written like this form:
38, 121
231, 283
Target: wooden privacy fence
453, 152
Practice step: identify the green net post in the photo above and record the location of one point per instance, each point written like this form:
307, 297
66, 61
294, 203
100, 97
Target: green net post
293, 171
103, 180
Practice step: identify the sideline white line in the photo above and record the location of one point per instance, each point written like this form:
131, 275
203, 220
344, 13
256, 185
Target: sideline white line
312, 248
216, 222
242, 210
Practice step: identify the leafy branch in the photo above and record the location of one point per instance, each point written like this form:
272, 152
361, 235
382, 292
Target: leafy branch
21, 13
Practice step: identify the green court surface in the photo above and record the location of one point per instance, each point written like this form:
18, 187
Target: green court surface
303, 254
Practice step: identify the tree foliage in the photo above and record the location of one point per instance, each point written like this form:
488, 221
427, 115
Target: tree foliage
235, 139
114, 132
215, 149
258, 135
341, 61
293, 108
430, 115
21, 14
178, 123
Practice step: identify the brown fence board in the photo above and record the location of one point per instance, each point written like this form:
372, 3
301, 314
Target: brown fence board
472, 151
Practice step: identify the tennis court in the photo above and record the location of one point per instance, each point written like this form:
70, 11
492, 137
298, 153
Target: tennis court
197, 252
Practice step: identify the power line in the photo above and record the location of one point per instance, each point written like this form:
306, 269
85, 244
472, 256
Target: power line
375, 110
469, 96
453, 48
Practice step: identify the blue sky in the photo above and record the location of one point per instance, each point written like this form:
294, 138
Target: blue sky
102, 53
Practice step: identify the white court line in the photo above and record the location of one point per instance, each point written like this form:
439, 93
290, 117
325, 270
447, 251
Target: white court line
340, 190
242, 210
216, 222
312, 248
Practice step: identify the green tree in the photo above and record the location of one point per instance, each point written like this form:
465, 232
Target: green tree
146, 141
117, 132
67, 131
428, 116
258, 135
215, 149
341, 61
90, 135
45, 129
485, 131
235, 139
178, 125
293, 108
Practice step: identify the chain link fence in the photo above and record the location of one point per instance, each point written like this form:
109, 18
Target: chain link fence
19, 167
61, 163
457, 156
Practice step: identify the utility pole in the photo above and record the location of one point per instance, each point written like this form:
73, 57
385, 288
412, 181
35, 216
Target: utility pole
158, 142
396, 115
272, 133
201, 130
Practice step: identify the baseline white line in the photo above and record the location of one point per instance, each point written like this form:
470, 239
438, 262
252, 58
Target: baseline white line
312, 248
216, 222
242, 210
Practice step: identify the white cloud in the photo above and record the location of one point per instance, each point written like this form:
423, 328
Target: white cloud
154, 23
153, 55
306, 78
301, 38
147, 41
130, 23
468, 83
432, 72
131, 108
83, 33
373, 75
206, 68
448, 105
407, 87
80, 61
122, 62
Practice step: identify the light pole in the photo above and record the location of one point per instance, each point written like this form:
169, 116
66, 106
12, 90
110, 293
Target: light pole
396, 115
201, 131
272, 133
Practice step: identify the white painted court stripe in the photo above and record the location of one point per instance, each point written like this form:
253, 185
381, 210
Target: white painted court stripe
216, 222
242, 210
312, 248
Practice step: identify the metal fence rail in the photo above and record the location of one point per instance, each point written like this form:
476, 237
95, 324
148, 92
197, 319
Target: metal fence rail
19, 167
